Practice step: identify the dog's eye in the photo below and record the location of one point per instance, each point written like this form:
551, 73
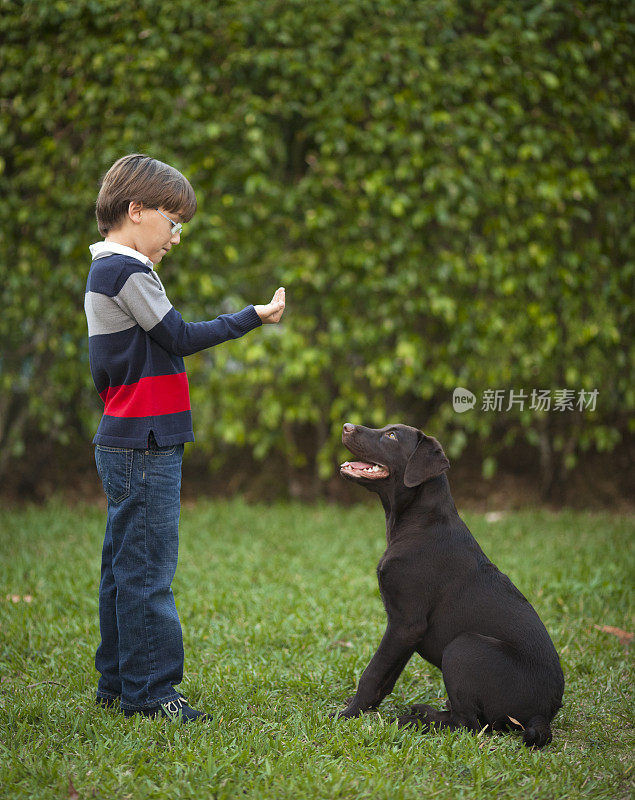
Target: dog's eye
391, 435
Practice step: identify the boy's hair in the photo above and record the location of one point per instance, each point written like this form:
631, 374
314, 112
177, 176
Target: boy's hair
142, 179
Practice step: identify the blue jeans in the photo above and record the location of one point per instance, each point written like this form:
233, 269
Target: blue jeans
140, 657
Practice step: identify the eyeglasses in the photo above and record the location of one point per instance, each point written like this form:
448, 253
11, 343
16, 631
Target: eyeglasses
176, 226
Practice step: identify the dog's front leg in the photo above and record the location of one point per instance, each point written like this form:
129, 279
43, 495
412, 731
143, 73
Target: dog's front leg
379, 677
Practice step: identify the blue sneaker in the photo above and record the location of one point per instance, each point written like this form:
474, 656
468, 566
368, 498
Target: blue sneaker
106, 702
178, 710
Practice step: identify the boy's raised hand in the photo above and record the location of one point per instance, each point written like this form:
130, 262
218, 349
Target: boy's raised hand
273, 310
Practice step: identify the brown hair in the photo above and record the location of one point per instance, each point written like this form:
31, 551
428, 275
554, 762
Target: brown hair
145, 180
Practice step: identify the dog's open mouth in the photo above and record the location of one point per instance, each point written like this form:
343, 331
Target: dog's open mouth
361, 469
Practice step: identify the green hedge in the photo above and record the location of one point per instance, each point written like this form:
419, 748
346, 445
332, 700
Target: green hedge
442, 187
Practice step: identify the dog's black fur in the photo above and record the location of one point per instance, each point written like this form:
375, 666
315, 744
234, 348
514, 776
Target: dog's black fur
445, 600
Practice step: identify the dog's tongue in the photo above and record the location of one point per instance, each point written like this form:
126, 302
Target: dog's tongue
359, 464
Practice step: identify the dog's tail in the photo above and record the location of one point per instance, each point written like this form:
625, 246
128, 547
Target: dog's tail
537, 732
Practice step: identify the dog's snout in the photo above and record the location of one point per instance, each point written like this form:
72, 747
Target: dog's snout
348, 427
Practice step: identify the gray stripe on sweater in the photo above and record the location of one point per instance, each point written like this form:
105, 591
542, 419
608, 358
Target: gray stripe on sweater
143, 297
104, 315
141, 301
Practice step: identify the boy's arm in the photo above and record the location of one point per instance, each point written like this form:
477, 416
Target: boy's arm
145, 300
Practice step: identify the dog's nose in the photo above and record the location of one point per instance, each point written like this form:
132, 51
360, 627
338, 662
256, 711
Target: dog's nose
349, 427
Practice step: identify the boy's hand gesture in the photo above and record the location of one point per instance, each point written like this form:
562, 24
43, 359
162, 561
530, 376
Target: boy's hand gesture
273, 310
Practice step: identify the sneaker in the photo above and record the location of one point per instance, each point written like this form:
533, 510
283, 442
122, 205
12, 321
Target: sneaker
178, 710
106, 702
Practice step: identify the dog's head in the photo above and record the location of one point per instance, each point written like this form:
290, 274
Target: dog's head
394, 456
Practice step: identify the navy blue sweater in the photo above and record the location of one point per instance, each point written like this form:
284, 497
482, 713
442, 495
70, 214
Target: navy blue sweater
136, 344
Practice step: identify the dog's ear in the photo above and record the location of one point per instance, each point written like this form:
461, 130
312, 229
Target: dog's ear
428, 461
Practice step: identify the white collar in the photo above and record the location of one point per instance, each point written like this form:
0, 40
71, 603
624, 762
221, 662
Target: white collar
106, 248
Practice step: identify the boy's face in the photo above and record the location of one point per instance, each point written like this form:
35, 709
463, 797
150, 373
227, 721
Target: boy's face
147, 231
154, 233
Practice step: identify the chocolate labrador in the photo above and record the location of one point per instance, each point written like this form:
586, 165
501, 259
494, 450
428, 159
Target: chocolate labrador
445, 600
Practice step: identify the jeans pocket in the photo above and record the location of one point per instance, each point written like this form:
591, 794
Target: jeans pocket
114, 466
170, 450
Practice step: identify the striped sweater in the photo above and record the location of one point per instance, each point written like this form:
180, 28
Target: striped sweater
136, 344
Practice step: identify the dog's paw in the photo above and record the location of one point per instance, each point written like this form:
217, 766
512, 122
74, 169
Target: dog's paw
419, 716
423, 710
412, 721
347, 713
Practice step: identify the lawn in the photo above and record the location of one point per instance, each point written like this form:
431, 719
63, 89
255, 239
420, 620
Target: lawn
281, 613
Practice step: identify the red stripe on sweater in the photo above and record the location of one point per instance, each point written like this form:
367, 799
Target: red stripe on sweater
149, 397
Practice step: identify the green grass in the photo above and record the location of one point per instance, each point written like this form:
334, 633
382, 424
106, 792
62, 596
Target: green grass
281, 613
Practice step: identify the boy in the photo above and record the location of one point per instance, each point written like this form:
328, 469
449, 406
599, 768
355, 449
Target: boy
137, 341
